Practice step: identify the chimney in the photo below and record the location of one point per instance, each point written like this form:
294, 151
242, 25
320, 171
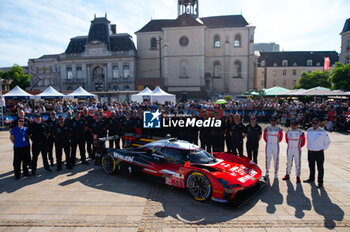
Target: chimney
114, 28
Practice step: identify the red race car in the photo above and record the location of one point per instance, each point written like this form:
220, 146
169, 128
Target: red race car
218, 176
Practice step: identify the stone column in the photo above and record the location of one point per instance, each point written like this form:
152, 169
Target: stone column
106, 77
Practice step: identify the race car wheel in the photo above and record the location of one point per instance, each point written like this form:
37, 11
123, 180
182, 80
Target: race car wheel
108, 164
199, 186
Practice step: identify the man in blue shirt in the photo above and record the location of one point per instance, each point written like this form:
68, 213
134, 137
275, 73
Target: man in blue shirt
20, 149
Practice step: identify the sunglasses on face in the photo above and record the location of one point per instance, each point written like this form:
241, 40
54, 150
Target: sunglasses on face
20, 120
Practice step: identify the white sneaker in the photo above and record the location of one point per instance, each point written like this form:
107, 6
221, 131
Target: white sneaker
276, 176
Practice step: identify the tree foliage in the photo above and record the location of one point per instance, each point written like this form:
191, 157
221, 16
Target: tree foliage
341, 76
314, 79
17, 76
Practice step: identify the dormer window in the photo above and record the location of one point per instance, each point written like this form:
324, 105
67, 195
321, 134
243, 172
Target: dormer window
285, 63
263, 63
309, 63
295, 64
318, 64
274, 64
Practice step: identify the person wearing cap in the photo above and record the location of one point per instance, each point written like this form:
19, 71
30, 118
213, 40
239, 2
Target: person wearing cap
51, 122
253, 133
237, 135
317, 141
39, 132
273, 135
295, 139
78, 128
21, 150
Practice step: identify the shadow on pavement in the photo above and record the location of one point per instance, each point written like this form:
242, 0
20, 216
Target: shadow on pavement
297, 199
174, 202
272, 196
8, 183
325, 207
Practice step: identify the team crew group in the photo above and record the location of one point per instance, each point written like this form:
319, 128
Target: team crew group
81, 130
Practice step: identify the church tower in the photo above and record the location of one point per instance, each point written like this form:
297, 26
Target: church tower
188, 7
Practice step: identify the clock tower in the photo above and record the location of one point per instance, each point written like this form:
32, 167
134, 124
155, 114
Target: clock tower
188, 7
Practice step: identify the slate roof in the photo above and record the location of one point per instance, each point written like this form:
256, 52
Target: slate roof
100, 31
298, 57
188, 20
49, 56
346, 26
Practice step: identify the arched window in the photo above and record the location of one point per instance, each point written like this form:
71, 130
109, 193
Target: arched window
217, 42
237, 69
217, 69
274, 64
318, 64
263, 63
184, 69
153, 43
285, 63
309, 63
126, 87
237, 42
294, 64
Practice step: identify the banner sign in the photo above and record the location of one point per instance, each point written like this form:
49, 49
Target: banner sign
326, 64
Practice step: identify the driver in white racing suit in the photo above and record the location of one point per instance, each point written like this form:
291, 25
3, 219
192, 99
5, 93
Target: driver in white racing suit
273, 136
296, 140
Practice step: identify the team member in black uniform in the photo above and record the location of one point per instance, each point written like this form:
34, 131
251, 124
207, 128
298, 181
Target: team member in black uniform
51, 122
114, 128
237, 135
128, 128
228, 127
205, 135
78, 128
253, 133
61, 133
38, 132
98, 131
21, 115
218, 135
88, 136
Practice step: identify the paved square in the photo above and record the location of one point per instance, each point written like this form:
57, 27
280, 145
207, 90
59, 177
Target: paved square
86, 199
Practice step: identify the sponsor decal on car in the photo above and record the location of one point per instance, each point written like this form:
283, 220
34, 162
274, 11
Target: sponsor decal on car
123, 157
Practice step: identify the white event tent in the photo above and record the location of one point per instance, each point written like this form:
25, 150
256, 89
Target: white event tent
160, 96
81, 93
139, 97
49, 93
17, 93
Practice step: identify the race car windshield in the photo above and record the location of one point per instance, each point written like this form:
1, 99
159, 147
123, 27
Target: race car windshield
200, 156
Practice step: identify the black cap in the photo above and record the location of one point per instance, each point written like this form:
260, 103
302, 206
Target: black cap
315, 120
37, 115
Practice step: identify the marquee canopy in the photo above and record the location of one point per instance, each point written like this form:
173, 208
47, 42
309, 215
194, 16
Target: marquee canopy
160, 96
144, 94
17, 93
49, 93
81, 93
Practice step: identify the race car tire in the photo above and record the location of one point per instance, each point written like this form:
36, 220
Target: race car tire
199, 186
108, 164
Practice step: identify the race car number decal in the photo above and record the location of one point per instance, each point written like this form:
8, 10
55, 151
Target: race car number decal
174, 181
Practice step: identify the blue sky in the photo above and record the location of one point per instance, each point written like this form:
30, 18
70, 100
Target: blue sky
32, 28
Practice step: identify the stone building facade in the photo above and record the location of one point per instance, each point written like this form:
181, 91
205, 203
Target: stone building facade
101, 61
195, 57
345, 43
285, 68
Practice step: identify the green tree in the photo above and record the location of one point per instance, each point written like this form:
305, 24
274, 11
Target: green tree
17, 76
341, 76
314, 79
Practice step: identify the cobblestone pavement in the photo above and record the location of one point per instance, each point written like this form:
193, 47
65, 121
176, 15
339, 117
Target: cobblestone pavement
86, 199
